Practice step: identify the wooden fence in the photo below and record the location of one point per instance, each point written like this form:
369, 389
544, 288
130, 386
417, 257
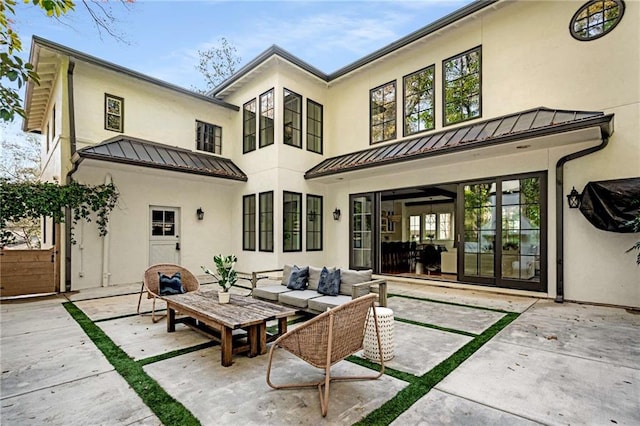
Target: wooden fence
28, 272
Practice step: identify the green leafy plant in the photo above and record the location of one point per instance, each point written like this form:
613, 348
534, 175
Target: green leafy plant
636, 226
225, 272
34, 200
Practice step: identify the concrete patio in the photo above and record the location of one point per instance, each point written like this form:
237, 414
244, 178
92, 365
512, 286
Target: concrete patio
555, 364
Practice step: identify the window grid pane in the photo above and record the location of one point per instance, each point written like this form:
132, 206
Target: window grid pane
314, 222
314, 126
208, 137
249, 126
113, 113
462, 88
266, 119
249, 222
292, 220
266, 221
383, 113
292, 123
419, 101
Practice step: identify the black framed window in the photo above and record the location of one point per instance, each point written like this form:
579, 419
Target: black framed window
267, 109
113, 113
462, 83
249, 126
314, 222
383, 112
419, 101
314, 126
266, 221
249, 222
595, 19
208, 137
292, 123
291, 221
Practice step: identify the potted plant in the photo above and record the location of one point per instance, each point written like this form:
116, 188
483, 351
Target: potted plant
225, 274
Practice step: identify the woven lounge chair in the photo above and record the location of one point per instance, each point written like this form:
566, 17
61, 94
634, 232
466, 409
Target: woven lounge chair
151, 283
327, 339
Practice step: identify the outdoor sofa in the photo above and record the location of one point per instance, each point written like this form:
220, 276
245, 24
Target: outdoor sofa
271, 285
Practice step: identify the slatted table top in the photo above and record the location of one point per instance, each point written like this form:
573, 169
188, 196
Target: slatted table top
241, 311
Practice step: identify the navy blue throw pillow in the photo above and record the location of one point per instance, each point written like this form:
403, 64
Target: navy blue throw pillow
299, 278
329, 282
171, 284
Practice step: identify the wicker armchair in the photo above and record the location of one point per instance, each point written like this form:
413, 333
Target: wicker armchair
327, 339
151, 283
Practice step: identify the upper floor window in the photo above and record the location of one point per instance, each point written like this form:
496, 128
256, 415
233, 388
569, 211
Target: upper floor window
249, 222
265, 221
292, 123
314, 222
249, 126
113, 113
292, 221
266, 118
419, 101
596, 18
462, 87
208, 137
314, 126
383, 112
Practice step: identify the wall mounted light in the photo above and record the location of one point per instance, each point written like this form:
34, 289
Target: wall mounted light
200, 213
574, 198
336, 214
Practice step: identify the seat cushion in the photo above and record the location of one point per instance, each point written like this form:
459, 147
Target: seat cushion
269, 292
298, 298
348, 277
320, 304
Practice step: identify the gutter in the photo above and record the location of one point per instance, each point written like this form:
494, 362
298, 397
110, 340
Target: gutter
560, 211
69, 179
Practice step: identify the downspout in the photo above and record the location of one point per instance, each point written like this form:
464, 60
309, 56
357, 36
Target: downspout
560, 212
106, 241
72, 146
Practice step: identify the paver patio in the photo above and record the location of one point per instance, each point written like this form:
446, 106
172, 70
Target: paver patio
554, 364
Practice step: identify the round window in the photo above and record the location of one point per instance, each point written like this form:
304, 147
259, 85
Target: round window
596, 18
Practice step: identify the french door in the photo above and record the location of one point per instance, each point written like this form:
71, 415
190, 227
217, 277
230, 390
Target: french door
362, 216
503, 237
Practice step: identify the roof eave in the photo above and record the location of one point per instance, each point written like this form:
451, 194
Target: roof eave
604, 122
38, 41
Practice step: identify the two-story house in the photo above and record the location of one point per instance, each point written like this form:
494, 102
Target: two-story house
447, 155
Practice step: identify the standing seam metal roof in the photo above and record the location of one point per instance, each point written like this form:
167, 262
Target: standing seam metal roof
509, 128
150, 154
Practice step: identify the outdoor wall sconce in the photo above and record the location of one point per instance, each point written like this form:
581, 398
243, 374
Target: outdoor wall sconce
336, 214
200, 213
574, 198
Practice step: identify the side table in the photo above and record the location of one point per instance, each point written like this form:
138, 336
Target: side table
385, 325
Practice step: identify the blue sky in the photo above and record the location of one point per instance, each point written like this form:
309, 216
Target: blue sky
163, 37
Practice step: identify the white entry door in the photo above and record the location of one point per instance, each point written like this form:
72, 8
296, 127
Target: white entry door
164, 235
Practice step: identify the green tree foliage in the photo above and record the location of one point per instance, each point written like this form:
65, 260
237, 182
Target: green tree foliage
33, 200
217, 63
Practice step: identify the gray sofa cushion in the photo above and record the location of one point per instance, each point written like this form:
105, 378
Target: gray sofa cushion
286, 271
269, 292
298, 298
314, 277
348, 277
320, 304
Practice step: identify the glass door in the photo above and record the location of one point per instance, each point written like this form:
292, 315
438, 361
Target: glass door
503, 240
361, 208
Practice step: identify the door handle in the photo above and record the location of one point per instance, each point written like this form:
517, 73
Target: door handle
178, 246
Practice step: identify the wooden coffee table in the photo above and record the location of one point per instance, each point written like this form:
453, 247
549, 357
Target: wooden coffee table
202, 310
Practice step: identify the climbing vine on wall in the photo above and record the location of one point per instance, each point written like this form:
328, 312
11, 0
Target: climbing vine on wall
33, 200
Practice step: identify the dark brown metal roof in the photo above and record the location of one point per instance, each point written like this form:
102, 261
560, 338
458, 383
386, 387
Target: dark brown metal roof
509, 128
138, 152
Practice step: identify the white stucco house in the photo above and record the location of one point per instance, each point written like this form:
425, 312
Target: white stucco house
447, 155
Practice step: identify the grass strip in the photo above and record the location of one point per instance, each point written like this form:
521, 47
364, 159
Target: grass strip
168, 410
177, 352
436, 327
442, 302
401, 375
391, 409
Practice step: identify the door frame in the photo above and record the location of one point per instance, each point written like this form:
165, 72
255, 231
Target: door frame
175, 238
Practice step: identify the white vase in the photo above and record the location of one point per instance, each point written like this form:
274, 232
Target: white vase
223, 296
